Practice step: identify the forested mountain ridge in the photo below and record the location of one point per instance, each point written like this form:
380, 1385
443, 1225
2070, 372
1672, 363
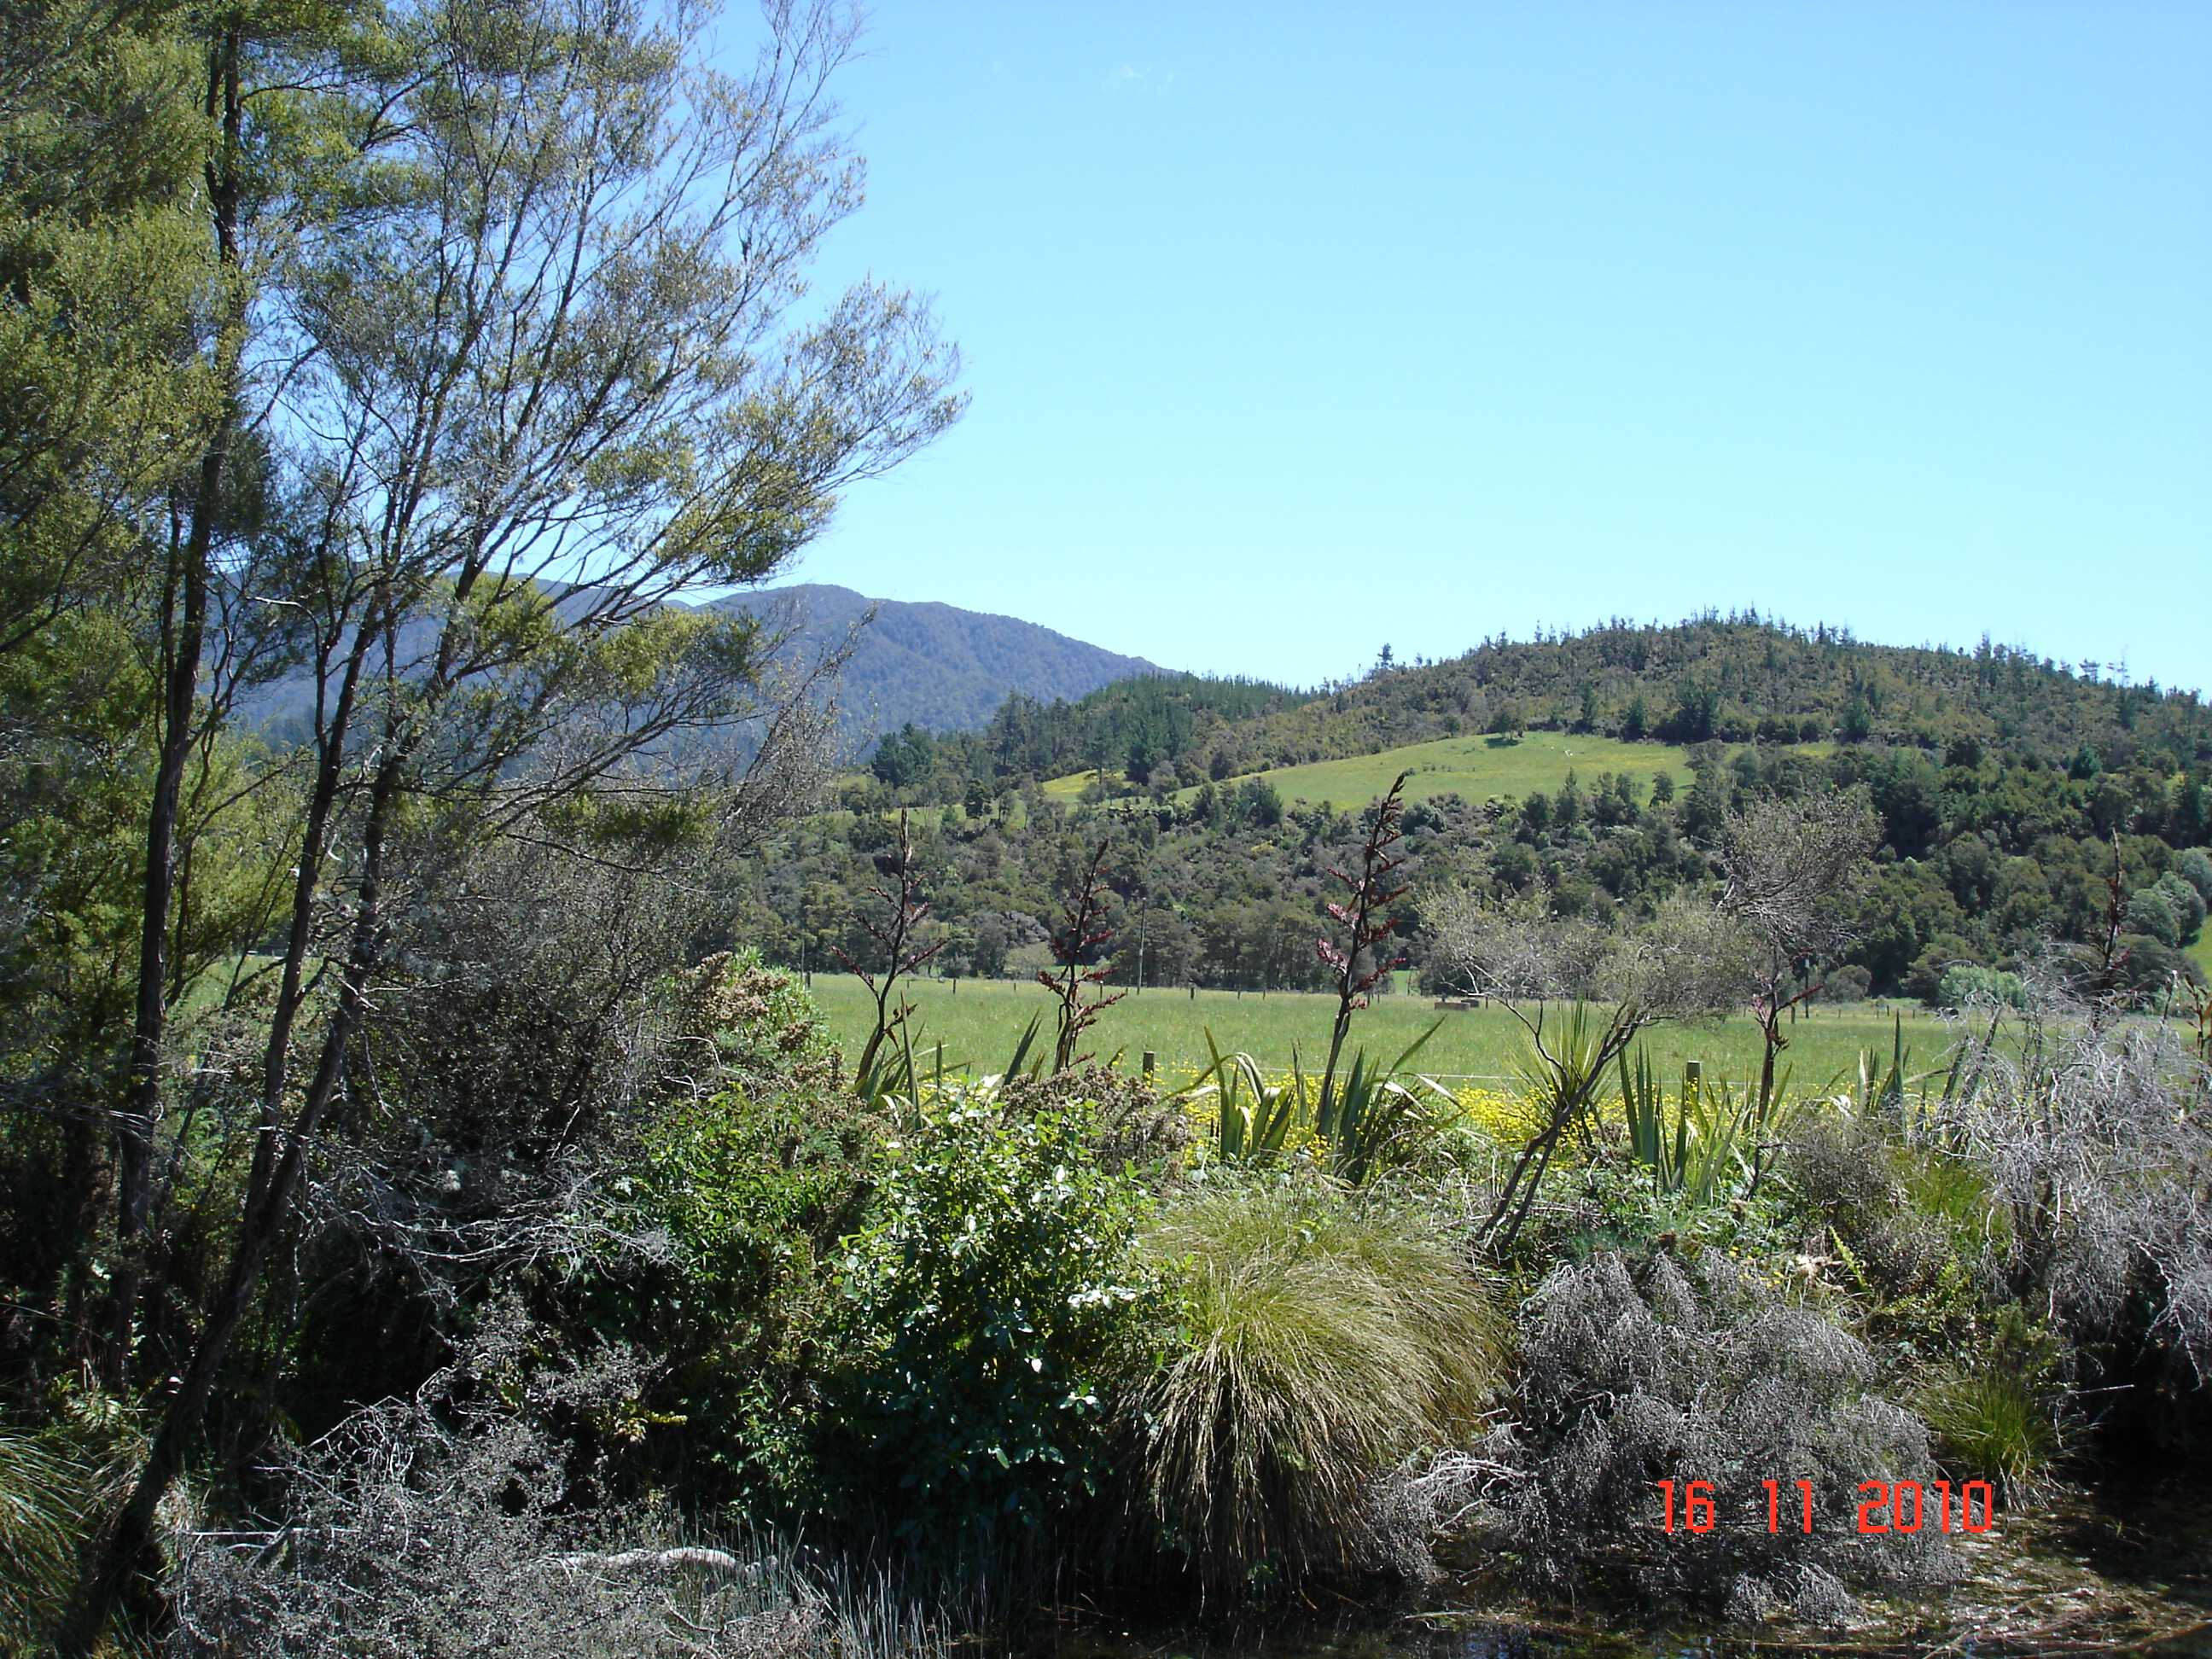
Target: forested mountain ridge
2005, 789
934, 666
1736, 679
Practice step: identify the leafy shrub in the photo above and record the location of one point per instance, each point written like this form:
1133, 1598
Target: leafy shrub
1674, 1371
738, 1201
1964, 984
2151, 911
976, 1309
723, 1224
1849, 983
1322, 1340
745, 1023
1613, 1205
1135, 1128
2186, 902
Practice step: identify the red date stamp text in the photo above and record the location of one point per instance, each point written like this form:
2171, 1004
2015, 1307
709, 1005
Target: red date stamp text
1883, 1506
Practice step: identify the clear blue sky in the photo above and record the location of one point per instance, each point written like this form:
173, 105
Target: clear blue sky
1292, 331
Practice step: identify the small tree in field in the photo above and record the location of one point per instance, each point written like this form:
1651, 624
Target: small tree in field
1788, 865
1082, 930
894, 933
1688, 964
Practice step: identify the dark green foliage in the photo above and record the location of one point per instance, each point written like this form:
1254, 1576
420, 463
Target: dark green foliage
722, 1232
975, 1313
741, 1199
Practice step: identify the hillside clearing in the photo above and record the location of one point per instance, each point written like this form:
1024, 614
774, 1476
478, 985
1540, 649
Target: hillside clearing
1475, 766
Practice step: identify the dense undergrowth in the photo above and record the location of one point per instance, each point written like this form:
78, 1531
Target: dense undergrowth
813, 1372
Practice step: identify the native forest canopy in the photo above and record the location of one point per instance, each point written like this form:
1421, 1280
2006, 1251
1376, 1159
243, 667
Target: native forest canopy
2007, 794
480, 1171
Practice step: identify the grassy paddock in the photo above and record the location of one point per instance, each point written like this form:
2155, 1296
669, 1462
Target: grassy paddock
1474, 766
980, 1021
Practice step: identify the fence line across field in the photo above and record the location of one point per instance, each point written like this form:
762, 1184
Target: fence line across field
968, 1068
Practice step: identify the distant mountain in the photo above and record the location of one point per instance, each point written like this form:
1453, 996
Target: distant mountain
936, 666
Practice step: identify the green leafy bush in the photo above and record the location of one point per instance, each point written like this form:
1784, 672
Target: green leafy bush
976, 1309
1964, 983
738, 1201
1322, 1340
725, 1224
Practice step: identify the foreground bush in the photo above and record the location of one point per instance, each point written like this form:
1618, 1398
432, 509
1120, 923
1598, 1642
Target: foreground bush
1668, 1372
466, 1522
723, 1231
976, 1309
1322, 1341
2093, 1136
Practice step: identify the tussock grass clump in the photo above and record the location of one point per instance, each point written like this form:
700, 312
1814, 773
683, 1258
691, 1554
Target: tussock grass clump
1324, 1339
2005, 1418
59, 1483
41, 1491
1992, 1423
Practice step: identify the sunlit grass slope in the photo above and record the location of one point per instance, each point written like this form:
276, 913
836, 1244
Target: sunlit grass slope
1474, 766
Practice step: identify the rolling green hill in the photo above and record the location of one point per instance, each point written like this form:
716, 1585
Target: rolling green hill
1737, 680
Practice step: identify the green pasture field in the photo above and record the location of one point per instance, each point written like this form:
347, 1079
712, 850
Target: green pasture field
980, 1021
1474, 766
